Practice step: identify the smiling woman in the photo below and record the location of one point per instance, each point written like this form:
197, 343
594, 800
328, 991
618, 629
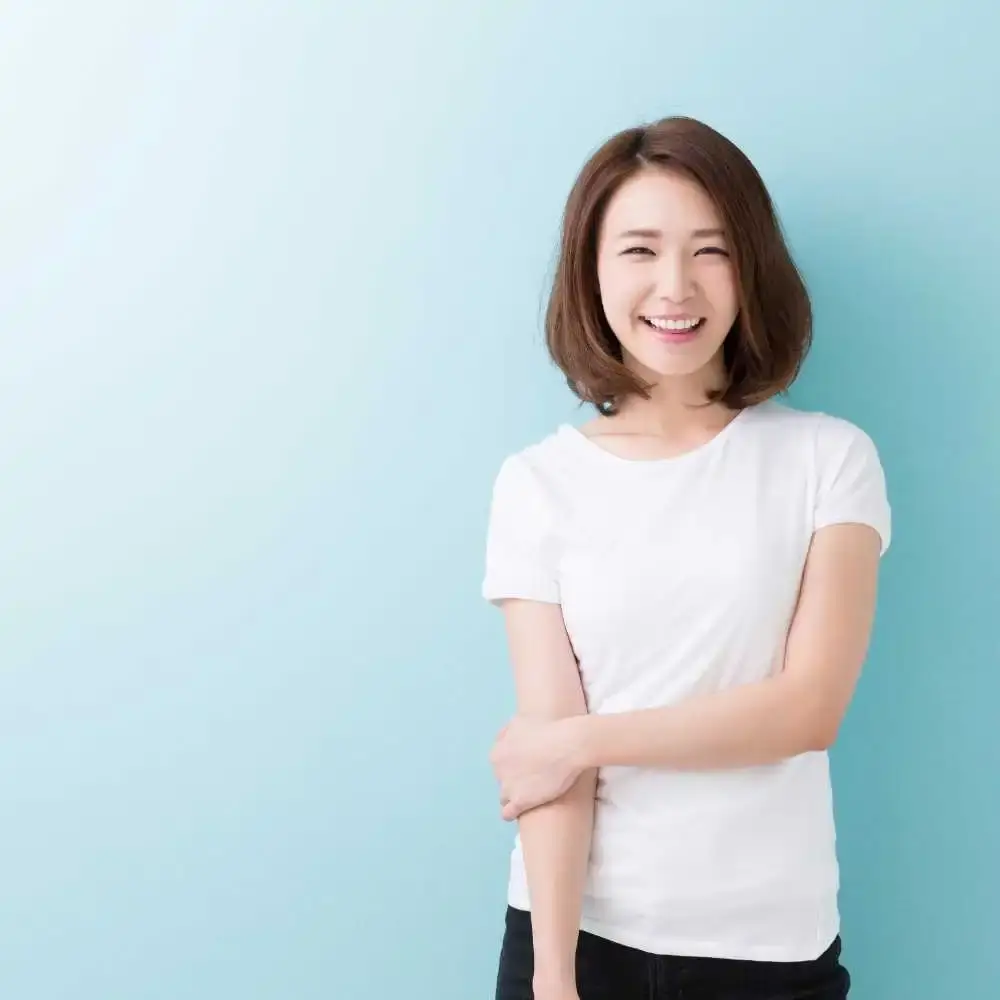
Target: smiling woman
675, 281
688, 584
666, 227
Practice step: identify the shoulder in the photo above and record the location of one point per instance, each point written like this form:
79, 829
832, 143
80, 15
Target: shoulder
541, 465
847, 482
543, 453
524, 517
825, 434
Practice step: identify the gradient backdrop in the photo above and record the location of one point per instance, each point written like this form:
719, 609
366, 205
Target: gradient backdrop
270, 286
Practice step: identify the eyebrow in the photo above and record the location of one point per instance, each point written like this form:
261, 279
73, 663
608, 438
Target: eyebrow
652, 234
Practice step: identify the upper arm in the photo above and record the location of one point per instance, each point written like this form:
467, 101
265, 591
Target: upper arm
521, 538
521, 577
546, 676
831, 629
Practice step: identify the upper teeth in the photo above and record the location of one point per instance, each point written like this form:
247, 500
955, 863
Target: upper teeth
672, 324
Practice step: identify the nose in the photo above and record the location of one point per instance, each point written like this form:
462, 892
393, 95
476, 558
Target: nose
673, 277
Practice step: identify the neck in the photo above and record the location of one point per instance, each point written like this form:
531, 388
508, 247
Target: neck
677, 404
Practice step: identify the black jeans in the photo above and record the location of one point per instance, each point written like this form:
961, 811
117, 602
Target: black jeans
609, 971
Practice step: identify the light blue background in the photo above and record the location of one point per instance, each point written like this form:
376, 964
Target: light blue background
270, 286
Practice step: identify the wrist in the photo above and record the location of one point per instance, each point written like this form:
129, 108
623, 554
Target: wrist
556, 982
554, 959
579, 749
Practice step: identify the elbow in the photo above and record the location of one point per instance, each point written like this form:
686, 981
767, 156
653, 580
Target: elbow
820, 731
814, 717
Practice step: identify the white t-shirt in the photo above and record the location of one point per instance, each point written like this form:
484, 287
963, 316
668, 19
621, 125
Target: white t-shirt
680, 576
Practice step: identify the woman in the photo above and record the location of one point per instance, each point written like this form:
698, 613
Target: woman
688, 583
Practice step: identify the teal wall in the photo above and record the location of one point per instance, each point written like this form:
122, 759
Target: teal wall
270, 286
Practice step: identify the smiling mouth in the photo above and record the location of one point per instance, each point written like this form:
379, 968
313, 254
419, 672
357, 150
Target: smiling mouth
662, 325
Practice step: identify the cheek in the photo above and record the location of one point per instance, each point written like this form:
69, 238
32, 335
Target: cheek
621, 294
720, 284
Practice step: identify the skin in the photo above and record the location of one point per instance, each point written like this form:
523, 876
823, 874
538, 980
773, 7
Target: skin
662, 251
546, 758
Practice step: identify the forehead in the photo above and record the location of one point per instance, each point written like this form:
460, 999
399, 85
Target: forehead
660, 199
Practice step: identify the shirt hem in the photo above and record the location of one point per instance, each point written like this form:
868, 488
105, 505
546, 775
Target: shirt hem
689, 948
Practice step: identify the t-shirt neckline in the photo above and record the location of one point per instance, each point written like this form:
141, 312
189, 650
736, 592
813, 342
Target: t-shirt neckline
585, 443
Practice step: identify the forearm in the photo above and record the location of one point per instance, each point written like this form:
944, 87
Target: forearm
791, 712
555, 840
753, 724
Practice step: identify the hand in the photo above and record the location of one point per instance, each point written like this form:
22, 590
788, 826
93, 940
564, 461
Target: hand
534, 762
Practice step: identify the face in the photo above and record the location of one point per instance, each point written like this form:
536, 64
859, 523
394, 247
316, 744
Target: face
668, 284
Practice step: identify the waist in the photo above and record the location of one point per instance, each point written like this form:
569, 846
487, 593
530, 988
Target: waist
737, 862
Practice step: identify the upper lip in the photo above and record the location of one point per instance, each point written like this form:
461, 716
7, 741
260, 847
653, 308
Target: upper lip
670, 316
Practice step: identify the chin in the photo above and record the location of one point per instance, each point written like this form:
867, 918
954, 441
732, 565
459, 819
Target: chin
656, 364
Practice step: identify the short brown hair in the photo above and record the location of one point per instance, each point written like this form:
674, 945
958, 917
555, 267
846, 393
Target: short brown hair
772, 333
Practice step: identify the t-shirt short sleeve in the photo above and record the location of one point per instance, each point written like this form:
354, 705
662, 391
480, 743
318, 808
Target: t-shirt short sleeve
851, 487
520, 543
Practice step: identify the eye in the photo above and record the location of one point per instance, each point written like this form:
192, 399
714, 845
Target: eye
713, 250
636, 251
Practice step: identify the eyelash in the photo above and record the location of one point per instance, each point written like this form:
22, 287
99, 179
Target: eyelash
642, 251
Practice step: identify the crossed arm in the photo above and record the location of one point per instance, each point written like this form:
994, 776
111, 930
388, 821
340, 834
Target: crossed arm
555, 836
546, 758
